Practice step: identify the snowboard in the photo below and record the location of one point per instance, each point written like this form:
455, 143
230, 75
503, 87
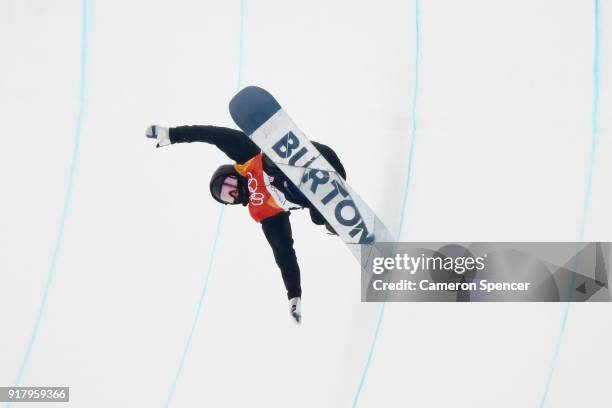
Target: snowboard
263, 119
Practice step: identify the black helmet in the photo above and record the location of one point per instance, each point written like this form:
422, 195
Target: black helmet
226, 184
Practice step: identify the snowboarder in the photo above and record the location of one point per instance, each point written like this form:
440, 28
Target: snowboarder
256, 182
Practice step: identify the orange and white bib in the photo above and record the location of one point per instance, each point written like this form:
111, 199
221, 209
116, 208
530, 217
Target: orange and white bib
265, 200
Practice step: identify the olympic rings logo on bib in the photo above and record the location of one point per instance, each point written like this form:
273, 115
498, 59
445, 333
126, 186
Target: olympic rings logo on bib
255, 197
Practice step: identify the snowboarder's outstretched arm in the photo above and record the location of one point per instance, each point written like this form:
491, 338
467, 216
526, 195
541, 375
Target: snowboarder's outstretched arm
234, 143
277, 230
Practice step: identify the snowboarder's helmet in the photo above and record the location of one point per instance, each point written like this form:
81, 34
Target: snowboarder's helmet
227, 187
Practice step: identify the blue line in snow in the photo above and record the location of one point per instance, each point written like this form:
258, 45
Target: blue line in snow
587, 196
415, 88
213, 250
67, 197
198, 308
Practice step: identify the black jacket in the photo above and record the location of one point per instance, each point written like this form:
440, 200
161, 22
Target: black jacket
277, 229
